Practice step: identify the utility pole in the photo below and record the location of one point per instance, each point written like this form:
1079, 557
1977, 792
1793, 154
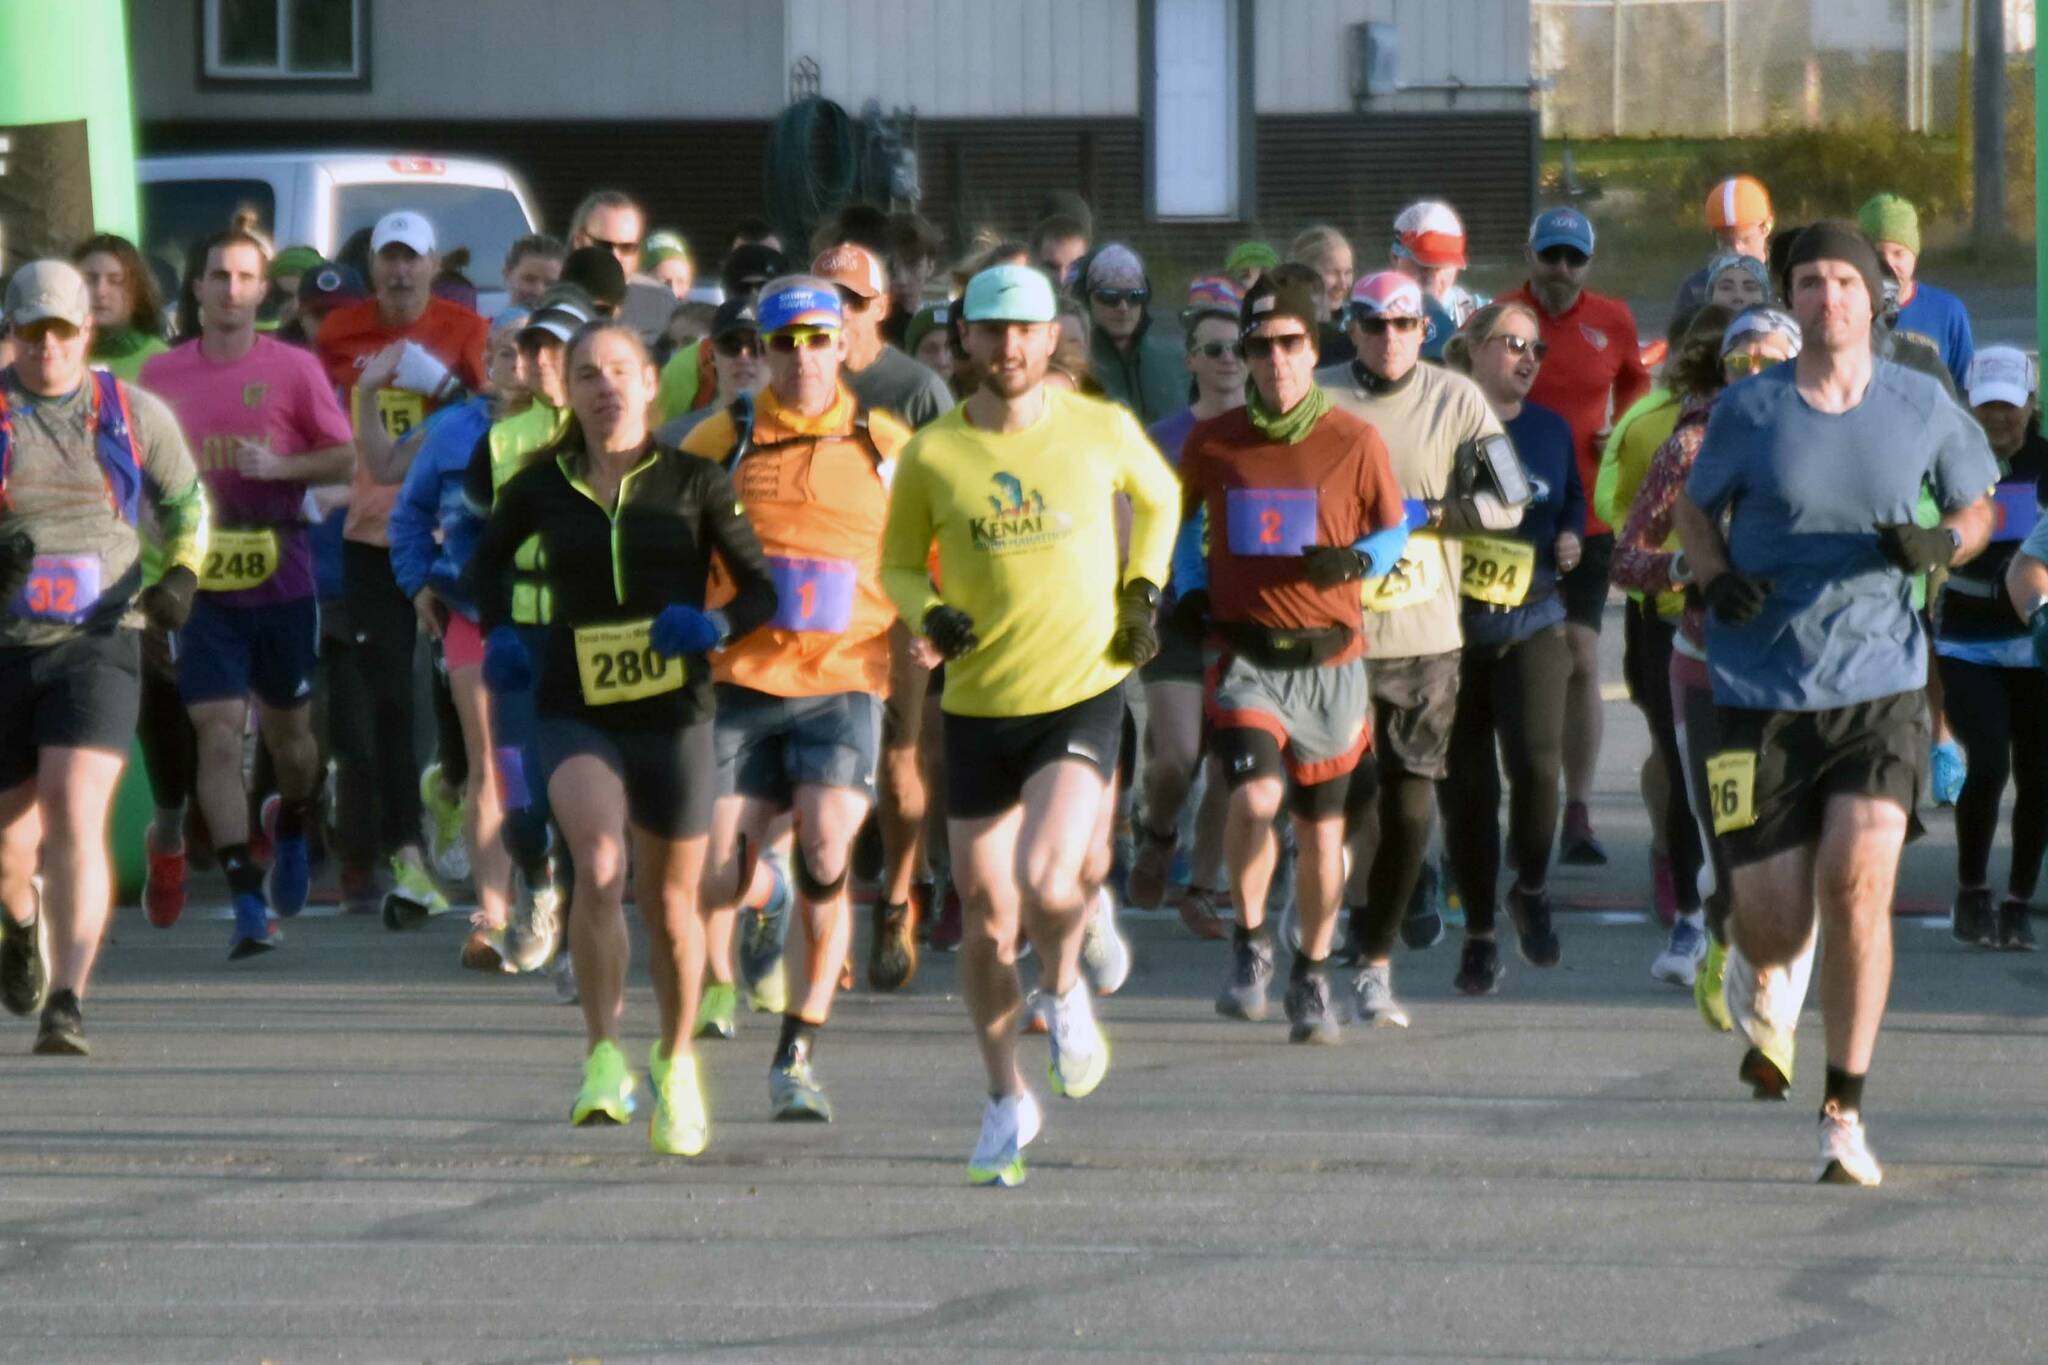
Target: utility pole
1988, 113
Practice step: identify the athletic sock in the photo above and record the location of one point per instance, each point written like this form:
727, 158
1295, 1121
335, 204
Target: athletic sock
799, 1037
1696, 918
291, 816
1844, 1091
1305, 967
1241, 935
244, 877
167, 829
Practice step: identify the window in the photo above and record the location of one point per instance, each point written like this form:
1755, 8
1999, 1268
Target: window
313, 41
483, 218
177, 215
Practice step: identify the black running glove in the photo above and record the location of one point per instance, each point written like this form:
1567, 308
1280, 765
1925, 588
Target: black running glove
17, 558
1734, 598
950, 630
1916, 549
1327, 566
168, 602
1191, 612
1134, 641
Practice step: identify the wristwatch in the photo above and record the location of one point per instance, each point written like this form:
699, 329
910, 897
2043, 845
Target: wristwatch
1681, 570
1955, 539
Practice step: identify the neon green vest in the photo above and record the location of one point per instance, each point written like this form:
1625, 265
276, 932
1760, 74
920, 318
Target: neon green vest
513, 440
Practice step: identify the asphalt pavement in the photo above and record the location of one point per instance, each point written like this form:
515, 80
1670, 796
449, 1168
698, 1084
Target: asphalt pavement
352, 1150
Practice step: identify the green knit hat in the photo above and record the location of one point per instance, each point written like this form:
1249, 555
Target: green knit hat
1250, 256
1891, 218
296, 260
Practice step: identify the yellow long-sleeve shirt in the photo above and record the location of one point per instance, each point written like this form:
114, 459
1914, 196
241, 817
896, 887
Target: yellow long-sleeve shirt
1025, 525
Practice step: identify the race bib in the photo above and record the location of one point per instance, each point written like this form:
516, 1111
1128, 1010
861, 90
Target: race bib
238, 560
60, 588
1270, 521
1415, 578
1731, 790
401, 411
812, 594
1495, 570
618, 663
2014, 511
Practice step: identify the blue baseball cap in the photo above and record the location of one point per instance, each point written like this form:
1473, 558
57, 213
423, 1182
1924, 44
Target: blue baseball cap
1010, 293
1561, 227
799, 304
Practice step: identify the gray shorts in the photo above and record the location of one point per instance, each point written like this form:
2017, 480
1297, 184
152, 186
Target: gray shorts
1414, 703
1316, 715
768, 746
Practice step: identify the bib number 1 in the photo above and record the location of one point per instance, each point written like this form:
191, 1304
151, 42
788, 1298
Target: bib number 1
812, 595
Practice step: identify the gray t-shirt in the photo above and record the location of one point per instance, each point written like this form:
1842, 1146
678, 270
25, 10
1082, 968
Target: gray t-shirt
58, 493
1804, 490
901, 387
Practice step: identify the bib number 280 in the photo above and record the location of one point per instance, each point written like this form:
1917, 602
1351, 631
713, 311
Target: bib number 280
619, 664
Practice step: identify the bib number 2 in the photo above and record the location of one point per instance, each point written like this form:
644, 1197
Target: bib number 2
1270, 521
618, 663
1731, 790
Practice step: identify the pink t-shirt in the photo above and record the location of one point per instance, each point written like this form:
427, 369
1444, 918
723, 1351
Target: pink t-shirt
276, 394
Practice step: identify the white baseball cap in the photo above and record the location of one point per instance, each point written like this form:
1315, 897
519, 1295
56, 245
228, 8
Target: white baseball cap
2000, 374
406, 228
47, 290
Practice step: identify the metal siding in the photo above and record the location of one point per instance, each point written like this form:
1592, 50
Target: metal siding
1303, 57
967, 58
647, 58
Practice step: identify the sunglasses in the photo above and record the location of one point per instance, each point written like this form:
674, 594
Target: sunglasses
1563, 255
852, 302
1262, 348
804, 338
1379, 327
733, 345
1743, 363
1116, 298
617, 248
1523, 345
1214, 350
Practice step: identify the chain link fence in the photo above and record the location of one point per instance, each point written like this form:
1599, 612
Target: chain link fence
1725, 68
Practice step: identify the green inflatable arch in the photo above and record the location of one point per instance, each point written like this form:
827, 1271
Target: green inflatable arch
67, 170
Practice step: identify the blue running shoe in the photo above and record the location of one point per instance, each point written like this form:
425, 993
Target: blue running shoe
253, 931
1949, 772
763, 929
291, 876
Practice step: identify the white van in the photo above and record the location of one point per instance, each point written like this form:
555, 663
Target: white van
319, 199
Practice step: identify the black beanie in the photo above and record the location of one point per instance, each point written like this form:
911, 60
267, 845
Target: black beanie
1832, 239
1266, 300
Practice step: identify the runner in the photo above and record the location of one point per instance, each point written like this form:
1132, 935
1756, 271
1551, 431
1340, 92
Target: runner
1429, 248
687, 381
81, 453
532, 265
1996, 698
1737, 282
1248, 261
1297, 503
881, 377
1592, 369
434, 530
1327, 251
1173, 680
127, 314
1136, 366
1514, 664
666, 257
627, 531
1454, 463
395, 357
1738, 213
1931, 314
613, 221
1014, 487
266, 425
1058, 242
1818, 465
798, 716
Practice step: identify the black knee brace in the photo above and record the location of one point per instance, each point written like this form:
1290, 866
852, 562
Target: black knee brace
808, 884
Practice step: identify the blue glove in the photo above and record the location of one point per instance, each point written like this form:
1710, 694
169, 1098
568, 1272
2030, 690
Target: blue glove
1382, 549
2039, 624
507, 665
683, 630
1418, 513
1190, 563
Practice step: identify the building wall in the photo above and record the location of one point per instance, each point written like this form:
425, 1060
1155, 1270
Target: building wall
970, 58
1304, 54
506, 59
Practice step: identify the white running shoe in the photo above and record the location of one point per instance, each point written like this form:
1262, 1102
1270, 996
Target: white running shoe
536, 929
1007, 1127
1679, 963
1080, 1054
564, 974
1105, 955
1845, 1157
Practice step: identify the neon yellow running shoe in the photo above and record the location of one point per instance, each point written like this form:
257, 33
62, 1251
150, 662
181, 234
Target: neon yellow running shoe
1007, 1127
1706, 988
447, 846
1080, 1054
607, 1093
413, 898
716, 1009
771, 994
682, 1122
